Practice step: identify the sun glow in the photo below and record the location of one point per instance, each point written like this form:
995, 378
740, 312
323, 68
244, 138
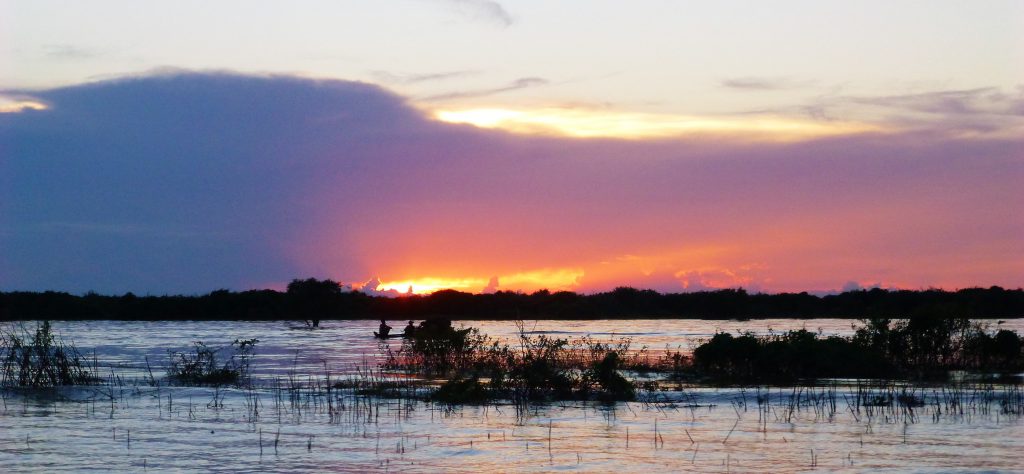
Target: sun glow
421, 286
554, 279
582, 123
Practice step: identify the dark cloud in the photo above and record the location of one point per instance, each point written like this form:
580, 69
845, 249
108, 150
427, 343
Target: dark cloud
190, 175
521, 83
186, 182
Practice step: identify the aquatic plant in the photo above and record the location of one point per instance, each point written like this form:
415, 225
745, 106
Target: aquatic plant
535, 368
462, 390
39, 359
606, 374
920, 347
200, 366
926, 345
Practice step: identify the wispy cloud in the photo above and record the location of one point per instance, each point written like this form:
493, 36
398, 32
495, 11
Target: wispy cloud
68, 51
984, 100
762, 83
485, 10
521, 83
413, 78
983, 110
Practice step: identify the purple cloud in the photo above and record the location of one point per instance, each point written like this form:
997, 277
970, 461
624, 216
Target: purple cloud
187, 182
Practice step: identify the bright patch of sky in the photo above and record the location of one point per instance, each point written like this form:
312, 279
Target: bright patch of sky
799, 58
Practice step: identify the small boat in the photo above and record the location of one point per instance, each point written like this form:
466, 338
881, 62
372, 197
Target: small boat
389, 336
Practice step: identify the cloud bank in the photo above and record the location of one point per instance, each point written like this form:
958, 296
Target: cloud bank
188, 182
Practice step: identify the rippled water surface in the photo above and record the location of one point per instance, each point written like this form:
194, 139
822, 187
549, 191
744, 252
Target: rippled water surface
132, 426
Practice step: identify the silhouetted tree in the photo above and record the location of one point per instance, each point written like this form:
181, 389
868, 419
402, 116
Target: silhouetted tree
313, 300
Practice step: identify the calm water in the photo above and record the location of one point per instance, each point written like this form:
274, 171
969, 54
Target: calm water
131, 426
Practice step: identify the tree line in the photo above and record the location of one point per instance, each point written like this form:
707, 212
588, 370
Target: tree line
326, 299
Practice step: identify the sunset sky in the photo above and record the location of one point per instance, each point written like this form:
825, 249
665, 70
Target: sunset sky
181, 147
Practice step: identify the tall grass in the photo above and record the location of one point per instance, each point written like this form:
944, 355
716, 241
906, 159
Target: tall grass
39, 359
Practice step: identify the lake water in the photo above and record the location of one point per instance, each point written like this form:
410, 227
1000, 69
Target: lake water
127, 425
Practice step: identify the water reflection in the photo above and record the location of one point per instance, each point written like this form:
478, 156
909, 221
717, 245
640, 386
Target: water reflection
133, 427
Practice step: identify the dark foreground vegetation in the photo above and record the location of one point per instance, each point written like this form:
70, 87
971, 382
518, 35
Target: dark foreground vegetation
459, 365
205, 365
918, 348
324, 299
39, 359
475, 368
36, 358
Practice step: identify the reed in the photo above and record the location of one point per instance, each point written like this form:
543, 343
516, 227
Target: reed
201, 365
40, 359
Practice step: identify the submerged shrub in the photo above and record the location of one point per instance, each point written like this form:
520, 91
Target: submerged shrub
1007, 345
729, 356
786, 357
917, 347
537, 371
929, 344
613, 385
999, 351
200, 367
438, 349
40, 360
462, 390
537, 368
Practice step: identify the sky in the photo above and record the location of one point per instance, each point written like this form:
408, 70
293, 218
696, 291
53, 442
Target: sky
182, 147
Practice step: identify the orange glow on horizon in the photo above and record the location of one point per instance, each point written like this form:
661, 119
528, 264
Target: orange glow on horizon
423, 286
557, 279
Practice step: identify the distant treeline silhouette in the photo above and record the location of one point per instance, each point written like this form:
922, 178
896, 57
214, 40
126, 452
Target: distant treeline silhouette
325, 299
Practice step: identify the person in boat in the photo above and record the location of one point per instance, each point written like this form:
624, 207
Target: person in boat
384, 329
410, 329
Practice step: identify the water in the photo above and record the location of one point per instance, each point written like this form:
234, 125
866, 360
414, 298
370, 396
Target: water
130, 426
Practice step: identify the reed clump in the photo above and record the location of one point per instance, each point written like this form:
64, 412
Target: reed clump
201, 366
39, 359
